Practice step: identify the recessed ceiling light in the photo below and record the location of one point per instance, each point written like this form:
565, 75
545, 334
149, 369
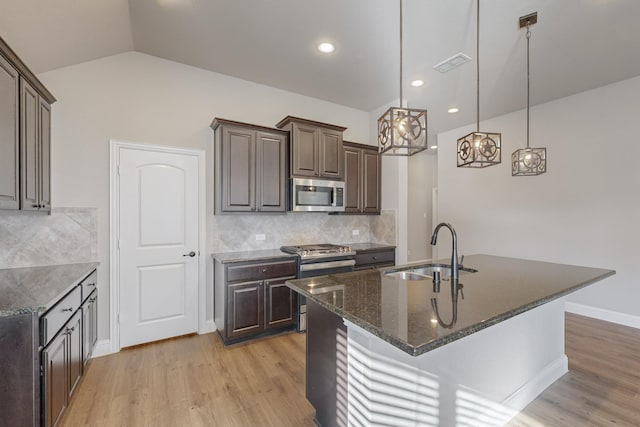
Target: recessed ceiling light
453, 110
417, 83
326, 47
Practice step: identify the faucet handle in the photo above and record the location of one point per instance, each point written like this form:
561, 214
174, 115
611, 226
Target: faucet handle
461, 261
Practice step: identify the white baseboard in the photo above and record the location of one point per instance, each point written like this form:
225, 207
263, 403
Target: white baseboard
102, 348
526, 394
602, 314
207, 327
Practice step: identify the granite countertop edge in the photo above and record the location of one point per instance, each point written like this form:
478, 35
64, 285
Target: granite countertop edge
39, 308
439, 342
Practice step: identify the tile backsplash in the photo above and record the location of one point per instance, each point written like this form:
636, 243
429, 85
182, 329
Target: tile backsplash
68, 235
238, 232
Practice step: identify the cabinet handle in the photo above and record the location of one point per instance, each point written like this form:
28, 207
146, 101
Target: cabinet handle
190, 254
35, 206
91, 284
92, 299
264, 270
375, 257
67, 309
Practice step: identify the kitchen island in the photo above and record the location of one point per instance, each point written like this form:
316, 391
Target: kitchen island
387, 349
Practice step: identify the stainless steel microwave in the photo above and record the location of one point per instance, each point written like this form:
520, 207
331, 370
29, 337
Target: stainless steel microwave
317, 195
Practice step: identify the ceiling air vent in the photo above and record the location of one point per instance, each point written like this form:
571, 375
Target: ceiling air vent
450, 63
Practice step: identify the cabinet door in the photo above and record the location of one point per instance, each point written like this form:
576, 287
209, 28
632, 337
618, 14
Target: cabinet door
9, 137
271, 172
55, 387
304, 152
74, 329
238, 169
29, 163
352, 179
245, 312
44, 146
371, 180
279, 303
330, 151
89, 326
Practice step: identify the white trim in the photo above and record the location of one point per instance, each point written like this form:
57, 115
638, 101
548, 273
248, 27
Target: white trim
204, 325
102, 348
603, 314
526, 394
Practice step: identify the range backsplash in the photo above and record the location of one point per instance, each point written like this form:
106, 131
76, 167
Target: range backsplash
238, 232
68, 235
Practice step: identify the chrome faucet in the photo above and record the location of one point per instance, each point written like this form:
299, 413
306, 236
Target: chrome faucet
454, 250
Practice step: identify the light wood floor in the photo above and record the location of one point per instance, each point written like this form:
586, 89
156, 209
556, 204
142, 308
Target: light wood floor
195, 381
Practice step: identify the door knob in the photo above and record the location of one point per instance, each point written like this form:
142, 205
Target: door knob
191, 254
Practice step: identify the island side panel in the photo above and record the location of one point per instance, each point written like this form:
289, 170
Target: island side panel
489, 375
326, 380
19, 360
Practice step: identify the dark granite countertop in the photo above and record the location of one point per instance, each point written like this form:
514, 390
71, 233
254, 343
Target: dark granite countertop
402, 313
364, 247
229, 257
36, 289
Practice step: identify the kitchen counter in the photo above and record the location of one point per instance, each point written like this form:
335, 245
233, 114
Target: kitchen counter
242, 256
36, 289
474, 354
401, 313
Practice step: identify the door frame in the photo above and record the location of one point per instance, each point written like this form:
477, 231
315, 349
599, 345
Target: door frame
115, 146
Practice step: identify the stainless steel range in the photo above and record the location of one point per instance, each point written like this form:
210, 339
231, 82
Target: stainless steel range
319, 260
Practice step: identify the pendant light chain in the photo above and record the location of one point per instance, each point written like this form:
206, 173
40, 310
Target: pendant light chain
478, 67
528, 79
401, 106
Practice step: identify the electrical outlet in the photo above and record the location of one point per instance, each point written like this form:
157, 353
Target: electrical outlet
261, 237
355, 232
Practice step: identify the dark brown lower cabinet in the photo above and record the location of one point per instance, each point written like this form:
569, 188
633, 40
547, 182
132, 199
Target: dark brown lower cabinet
62, 369
251, 299
89, 326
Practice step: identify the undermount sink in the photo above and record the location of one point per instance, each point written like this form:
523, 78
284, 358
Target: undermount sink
425, 272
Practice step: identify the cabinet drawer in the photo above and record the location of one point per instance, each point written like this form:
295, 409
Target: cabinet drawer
57, 316
378, 257
89, 284
262, 271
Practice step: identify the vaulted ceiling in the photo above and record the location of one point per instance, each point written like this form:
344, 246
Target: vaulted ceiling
576, 45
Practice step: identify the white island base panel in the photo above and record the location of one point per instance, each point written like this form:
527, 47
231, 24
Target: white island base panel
483, 379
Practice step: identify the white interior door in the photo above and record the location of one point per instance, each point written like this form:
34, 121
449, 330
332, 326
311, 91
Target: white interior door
158, 245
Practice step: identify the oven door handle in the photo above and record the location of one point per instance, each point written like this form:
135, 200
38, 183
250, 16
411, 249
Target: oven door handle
327, 265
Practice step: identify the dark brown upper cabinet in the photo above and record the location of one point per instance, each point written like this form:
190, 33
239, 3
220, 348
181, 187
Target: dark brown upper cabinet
250, 168
362, 172
25, 136
9, 137
316, 148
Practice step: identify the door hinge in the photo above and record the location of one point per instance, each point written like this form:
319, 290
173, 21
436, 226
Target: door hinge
41, 371
118, 318
118, 244
118, 170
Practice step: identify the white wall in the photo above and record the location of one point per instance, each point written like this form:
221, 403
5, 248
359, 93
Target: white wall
423, 176
140, 98
583, 211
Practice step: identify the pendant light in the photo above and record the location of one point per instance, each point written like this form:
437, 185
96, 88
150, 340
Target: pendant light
479, 149
402, 131
528, 161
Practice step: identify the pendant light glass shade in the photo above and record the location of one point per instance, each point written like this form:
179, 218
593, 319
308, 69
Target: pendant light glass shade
402, 131
528, 161
479, 149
